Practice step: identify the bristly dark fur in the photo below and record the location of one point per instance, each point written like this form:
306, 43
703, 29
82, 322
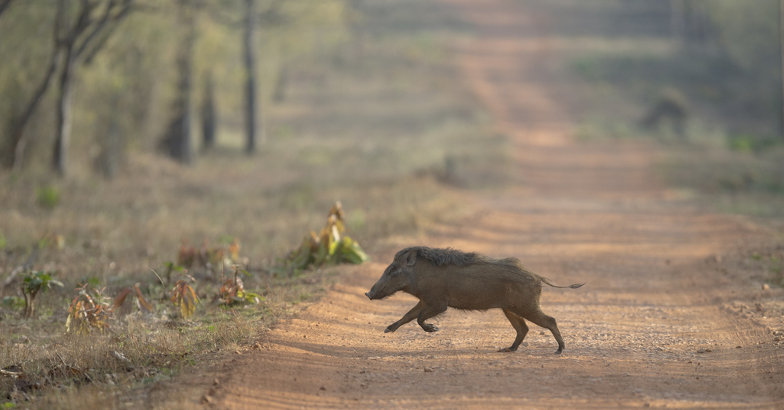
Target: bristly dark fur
449, 256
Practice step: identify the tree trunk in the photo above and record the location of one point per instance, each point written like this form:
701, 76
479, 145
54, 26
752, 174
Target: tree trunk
15, 155
111, 144
29, 297
4, 5
250, 77
208, 115
177, 141
279, 95
63, 130
677, 19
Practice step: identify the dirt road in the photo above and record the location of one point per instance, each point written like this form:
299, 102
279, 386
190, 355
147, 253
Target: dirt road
648, 328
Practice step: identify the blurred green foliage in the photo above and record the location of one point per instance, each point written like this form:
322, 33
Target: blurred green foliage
13, 302
47, 196
39, 281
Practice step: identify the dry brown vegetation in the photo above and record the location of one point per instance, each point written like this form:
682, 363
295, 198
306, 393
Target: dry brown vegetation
374, 124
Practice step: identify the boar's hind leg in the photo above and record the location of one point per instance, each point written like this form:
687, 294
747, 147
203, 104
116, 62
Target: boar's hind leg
549, 323
519, 325
411, 315
427, 312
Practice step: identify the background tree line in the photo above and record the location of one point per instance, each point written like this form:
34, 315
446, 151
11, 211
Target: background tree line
738, 51
92, 80
88, 81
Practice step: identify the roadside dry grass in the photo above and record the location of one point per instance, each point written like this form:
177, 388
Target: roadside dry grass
377, 124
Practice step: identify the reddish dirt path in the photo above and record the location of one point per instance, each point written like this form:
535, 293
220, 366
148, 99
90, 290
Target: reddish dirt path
647, 329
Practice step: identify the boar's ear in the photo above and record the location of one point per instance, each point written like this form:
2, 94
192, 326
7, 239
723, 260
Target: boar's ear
411, 258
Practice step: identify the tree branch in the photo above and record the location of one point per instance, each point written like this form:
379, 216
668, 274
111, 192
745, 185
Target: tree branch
126, 10
97, 27
270, 16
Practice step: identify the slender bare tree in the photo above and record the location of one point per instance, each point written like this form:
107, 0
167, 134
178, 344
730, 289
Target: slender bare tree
208, 114
75, 36
4, 5
249, 61
176, 141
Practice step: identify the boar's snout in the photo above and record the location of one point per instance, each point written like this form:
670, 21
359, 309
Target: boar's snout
373, 293
392, 280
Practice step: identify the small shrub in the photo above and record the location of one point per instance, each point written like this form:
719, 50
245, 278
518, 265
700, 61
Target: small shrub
233, 292
33, 284
88, 310
13, 302
48, 197
208, 256
184, 298
749, 143
330, 246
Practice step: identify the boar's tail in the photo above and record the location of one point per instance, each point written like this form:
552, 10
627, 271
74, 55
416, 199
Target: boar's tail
572, 286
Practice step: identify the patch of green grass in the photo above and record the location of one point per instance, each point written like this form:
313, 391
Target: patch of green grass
736, 182
48, 196
770, 261
751, 143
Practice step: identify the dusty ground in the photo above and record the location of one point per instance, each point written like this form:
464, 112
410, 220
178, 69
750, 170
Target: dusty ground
661, 322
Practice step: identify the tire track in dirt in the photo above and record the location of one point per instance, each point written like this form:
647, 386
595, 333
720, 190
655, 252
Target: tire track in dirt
647, 329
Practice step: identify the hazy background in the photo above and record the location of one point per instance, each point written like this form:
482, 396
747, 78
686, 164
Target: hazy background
132, 128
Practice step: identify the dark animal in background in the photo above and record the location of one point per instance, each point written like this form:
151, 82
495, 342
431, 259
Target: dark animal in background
443, 278
671, 106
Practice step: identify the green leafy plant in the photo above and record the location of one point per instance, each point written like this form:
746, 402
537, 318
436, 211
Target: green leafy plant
330, 246
232, 292
47, 196
33, 284
14, 302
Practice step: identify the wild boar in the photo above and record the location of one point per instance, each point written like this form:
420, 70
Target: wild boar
443, 278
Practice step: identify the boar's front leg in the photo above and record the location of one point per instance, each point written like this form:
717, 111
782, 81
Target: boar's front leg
427, 312
411, 315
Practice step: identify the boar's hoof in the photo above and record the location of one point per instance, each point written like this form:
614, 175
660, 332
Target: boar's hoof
390, 329
507, 349
559, 351
427, 327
